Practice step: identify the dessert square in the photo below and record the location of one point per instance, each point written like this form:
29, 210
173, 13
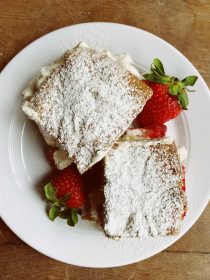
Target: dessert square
86, 104
143, 189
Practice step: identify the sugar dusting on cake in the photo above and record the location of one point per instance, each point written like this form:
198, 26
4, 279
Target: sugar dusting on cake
61, 159
86, 103
142, 192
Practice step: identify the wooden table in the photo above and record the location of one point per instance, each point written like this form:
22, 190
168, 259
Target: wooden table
184, 24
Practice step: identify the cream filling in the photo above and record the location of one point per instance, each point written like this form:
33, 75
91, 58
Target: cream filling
144, 141
182, 153
132, 134
136, 134
60, 157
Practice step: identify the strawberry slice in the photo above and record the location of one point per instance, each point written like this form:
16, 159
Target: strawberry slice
184, 215
150, 131
183, 187
154, 131
183, 179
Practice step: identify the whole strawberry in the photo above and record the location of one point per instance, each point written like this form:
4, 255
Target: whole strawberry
65, 195
169, 96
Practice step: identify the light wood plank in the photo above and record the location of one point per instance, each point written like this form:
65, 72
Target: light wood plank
22, 262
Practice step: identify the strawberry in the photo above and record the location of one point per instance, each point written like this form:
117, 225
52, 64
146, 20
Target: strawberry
169, 96
183, 187
150, 131
184, 215
161, 108
154, 131
183, 179
65, 195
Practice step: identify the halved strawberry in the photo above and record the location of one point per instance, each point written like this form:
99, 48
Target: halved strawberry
154, 131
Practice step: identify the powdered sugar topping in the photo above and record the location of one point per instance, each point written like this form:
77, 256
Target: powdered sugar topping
87, 103
143, 195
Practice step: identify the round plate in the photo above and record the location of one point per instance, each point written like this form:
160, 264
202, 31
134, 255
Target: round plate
23, 164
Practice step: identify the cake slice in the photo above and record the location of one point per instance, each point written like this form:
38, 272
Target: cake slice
143, 189
86, 103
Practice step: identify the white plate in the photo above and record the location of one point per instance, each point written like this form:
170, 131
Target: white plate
23, 164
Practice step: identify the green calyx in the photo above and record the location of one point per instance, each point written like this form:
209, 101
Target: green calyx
57, 207
176, 88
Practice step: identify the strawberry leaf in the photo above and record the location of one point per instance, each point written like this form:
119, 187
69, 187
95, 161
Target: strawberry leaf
173, 89
49, 192
65, 198
190, 80
183, 99
74, 216
70, 222
53, 213
165, 80
150, 77
159, 66
64, 214
156, 72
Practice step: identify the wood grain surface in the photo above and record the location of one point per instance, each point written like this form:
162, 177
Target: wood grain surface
184, 24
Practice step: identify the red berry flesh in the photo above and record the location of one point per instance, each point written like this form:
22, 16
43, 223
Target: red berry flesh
161, 108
